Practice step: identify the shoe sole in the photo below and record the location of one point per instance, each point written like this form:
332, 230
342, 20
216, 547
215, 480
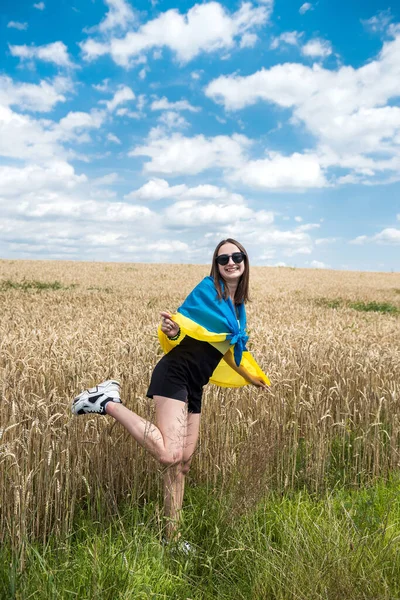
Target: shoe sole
103, 391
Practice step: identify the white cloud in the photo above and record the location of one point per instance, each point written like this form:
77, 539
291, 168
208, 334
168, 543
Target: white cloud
287, 85
77, 208
258, 235
40, 97
317, 264
159, 189
388, 236
108, 179
290, 242
267, 255
125, 112
15, 181
299, 250
308, 227
30, 139
305, 7
17, 25
120, 15
291, 38
103, 86
41, 140
194, 213
39, 5
121, 211
204, 28
50, 210
58, 212
344, 109
330, 240
298, 219
217, 212
215, 193
141, 101
282, 172
248, 40
74, 127
54, 191
177, 154
173, 120
379, 22
317, 48
56, 53
361, 239
169, 246
124, 94
93, 50
156, 189
229, 218
249, 230
106, 239
89, 225
162, 251
113, 138
164, 104
79, 120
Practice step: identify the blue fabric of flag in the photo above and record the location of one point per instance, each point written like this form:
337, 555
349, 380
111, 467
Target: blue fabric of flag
217, 315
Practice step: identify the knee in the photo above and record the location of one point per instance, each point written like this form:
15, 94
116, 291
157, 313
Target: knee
170, 459
185, 467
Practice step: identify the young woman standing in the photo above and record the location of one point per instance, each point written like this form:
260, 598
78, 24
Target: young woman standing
208, 327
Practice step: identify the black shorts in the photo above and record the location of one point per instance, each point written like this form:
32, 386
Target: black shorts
165, 382
182, 373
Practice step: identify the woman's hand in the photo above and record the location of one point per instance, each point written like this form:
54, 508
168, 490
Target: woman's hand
253, 379
169, 327
257, 381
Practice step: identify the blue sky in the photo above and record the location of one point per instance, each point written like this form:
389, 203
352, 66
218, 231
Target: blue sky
148, 131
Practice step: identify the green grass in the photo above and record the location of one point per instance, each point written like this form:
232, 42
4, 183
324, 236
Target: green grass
327, 303
382, 307
340, 546
33, 285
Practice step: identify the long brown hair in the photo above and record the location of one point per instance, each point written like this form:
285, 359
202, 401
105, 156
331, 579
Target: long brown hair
242, 290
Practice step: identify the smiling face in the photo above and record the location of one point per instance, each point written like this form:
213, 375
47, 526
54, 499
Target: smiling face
231, 273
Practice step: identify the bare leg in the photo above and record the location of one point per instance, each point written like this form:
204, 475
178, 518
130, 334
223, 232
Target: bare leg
174, 477
164, 442
172, 442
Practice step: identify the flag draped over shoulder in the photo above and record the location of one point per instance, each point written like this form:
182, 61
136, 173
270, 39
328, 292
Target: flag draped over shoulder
205, 317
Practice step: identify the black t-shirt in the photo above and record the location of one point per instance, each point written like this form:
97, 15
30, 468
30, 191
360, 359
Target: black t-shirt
195, 361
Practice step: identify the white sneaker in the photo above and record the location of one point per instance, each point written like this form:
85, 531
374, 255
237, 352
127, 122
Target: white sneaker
180, 546
186, 548
95, 399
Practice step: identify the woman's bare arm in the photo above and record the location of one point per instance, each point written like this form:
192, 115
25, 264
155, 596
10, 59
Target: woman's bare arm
257, 381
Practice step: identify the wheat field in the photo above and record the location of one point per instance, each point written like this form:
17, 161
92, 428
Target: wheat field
331, 416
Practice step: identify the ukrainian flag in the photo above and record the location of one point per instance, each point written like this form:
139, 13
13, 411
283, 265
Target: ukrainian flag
203, 316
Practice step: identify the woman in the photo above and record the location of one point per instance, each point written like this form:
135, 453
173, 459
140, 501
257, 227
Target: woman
206, 328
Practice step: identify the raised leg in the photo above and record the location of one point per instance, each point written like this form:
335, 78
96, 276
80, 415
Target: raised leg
164, 441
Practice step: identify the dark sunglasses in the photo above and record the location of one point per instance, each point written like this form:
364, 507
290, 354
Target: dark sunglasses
237, 258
